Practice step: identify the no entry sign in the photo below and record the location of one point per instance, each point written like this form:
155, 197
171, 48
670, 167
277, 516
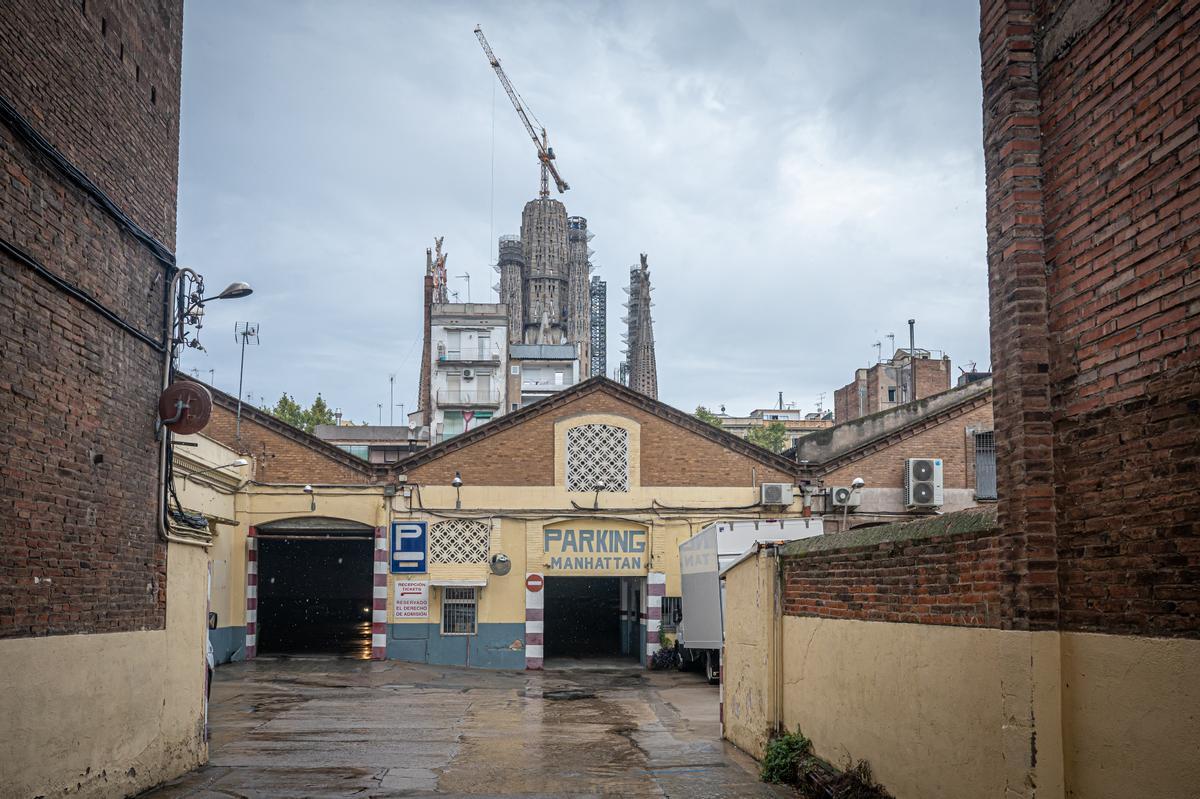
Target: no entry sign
534, 582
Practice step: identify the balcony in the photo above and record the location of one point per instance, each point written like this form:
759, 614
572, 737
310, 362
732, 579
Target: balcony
468, 398
485, 355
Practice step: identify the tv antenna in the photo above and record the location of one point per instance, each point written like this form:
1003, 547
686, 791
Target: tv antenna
248, 333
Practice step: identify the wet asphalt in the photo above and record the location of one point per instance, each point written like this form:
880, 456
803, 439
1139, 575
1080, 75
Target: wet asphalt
332, 727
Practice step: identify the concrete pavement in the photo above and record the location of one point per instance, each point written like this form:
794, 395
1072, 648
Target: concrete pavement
327, 727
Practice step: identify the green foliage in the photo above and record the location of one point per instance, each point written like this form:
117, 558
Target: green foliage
785, 756
773, 436
290, 411
707, 416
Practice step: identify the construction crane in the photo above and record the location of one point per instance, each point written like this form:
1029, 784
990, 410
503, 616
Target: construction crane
542, 143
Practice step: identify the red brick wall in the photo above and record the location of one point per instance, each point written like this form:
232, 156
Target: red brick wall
282, 457
946, 579
1120, 126
1092, 132
79, 549
524, 455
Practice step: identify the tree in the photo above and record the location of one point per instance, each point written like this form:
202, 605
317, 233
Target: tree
707, 416
290, 411
773, 436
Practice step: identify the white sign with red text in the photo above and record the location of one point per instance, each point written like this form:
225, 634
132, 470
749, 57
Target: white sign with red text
411, 599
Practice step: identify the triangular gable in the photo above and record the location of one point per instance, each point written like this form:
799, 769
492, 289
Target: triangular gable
518, 448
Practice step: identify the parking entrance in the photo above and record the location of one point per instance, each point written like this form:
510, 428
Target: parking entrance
314, 592
583, 617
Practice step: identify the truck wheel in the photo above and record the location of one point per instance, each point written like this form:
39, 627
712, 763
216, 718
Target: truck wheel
711, 670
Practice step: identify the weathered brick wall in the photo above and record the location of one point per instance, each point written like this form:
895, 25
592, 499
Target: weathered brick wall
937, 576
79, 550
933, 376
1093, 156
524, 455
882, 464
1120, 125
283, 455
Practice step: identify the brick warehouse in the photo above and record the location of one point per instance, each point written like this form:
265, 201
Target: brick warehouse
1053, 647
101, 628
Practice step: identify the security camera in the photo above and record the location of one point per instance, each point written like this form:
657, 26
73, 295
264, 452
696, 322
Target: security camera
857, 482
308, 489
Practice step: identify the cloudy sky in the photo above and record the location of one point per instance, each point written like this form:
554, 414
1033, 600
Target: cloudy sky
805, 177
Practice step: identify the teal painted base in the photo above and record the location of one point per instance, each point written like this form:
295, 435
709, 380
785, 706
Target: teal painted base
228, 643
492, 647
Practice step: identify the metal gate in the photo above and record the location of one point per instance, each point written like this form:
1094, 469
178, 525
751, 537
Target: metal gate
985, 465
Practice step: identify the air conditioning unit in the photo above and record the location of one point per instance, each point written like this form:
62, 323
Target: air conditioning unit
468, 374
923, 482
777, 493
845, 497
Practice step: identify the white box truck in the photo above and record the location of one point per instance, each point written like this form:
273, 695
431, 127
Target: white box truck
700, 627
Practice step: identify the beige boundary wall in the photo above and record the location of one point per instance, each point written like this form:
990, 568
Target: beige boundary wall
108, 715
944, 712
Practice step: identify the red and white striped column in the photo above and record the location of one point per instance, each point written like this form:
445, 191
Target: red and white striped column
535, 626
251, 593
656, 589
379, 597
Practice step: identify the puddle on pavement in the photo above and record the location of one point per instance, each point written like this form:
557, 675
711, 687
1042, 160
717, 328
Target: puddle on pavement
568, 694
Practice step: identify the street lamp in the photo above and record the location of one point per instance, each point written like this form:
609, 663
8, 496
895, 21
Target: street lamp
599, 486
457, 483
238, 463
231, 292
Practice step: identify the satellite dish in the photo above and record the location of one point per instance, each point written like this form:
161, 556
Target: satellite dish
500, 564
185, 407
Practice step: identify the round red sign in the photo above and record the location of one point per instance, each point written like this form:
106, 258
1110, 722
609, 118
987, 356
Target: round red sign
534, 582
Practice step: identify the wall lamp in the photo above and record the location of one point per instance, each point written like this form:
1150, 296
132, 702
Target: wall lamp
855, 485
457, 483
231, 292
238, 463
308, 489
599, 486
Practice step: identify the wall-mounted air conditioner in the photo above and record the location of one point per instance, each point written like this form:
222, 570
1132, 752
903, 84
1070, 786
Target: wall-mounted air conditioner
923, 482
845, 497
777, 493
468, 374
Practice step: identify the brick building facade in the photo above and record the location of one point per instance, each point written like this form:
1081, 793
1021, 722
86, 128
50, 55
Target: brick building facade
888, 384
89, 132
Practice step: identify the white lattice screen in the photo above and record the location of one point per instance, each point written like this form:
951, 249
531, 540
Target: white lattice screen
597, 453
459, 541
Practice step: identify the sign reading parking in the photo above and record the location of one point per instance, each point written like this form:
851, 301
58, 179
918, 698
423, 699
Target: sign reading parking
408, 547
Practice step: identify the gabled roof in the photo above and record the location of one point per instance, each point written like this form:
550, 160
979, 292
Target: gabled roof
282, 428
614, 389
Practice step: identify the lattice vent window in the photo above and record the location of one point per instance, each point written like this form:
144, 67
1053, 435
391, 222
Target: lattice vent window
597, 454
459, 541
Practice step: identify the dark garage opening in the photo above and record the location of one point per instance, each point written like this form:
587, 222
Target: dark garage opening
582, 617
314, 594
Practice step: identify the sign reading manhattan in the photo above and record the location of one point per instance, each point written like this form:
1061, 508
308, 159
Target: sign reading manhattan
601, 546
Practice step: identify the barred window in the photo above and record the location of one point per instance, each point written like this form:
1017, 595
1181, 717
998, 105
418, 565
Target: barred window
458, 610
459, 541
597, 454
672, 611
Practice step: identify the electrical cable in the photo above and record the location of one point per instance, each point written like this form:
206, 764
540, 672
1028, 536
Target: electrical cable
71, 290
29, 135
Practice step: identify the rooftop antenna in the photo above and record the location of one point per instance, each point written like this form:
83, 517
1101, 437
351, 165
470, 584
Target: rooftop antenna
467, 278
820, 402
391, 399
248, 333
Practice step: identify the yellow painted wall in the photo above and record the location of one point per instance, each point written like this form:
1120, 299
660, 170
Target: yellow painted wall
944, 711
108, 715
748, 689
1131, 716
215, 494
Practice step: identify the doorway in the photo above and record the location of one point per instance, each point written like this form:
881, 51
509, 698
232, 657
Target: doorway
583, 617
315, 593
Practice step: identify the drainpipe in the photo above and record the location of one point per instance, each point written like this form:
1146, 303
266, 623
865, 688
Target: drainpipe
164, 528
777, 640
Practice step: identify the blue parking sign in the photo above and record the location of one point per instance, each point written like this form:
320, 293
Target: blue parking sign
408, 547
